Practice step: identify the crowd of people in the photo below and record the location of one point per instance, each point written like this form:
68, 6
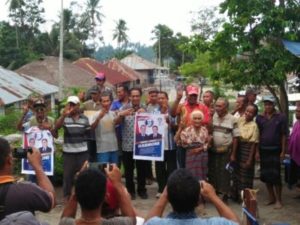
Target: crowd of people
209, 155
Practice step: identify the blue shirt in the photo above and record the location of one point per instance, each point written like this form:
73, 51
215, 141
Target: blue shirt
188, 219
117, 106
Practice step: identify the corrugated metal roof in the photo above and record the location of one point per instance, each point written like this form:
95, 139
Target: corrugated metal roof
115, 64
138, 63
93, 66
15, 87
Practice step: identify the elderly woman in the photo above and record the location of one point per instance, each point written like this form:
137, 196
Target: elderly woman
249, 136
195, 139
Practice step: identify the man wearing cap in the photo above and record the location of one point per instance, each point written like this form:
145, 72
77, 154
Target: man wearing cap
40, 119
75, 152
273, 129
183, 113
100, 80
92, 105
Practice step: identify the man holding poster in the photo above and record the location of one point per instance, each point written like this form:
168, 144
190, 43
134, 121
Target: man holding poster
40, 135
152, 148
126, 118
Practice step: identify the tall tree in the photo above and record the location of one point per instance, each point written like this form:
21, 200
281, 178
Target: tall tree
206, 22
91, 19
250, 46
164, 41
27, 16
120, 33
15, 9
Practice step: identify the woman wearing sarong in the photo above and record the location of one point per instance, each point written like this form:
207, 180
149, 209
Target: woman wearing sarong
247, 144
195, 139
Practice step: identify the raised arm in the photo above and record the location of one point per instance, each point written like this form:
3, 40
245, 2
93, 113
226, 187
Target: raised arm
99, 117
43, 181
123, 198
175, 105
208, 192
159, 206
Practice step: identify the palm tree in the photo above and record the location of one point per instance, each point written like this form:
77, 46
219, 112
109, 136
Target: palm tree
120, 33
15, 8
92, 17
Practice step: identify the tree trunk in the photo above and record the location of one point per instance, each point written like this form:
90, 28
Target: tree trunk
284, 102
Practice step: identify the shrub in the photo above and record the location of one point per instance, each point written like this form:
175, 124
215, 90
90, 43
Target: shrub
8, 123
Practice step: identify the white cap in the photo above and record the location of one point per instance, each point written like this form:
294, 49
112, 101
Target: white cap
73, 99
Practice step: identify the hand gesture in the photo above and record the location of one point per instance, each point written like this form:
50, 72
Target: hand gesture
207, 190
179, 94
67, 110
126, 112
45, 125
34, 158
197, 150
141, 110
114, 174
25, 108
103, 112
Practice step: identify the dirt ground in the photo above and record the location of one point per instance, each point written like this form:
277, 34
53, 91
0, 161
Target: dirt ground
289, 214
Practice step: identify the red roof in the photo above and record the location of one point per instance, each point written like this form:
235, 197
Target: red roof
115, 64
93, 66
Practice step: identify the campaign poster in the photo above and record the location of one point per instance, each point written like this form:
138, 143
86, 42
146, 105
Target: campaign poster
149, 136
43, 141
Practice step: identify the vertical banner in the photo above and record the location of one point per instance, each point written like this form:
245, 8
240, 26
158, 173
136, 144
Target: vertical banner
149, 136
43, 141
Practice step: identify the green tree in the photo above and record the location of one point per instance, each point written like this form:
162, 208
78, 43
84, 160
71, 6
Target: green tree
164, 41
27, 16
250, 50
206, 23
119, 33
91, 19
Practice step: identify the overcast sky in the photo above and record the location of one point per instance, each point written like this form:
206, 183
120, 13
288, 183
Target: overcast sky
141, 16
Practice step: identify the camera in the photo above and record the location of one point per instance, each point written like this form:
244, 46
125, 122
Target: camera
21, 153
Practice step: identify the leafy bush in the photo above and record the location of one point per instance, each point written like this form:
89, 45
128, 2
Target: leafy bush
8, 123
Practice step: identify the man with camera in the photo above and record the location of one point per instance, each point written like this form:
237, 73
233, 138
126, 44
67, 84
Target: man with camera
183, 192
15, 197
90, 193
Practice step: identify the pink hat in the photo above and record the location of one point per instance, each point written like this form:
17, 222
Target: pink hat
100, 76
192, 90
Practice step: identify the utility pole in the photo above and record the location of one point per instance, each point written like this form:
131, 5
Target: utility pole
61, 55
159, 62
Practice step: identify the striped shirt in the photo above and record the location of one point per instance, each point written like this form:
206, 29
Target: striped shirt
75, 134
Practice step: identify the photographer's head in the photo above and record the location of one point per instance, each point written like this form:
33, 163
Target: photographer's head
90, 188
183, 191
5, 154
